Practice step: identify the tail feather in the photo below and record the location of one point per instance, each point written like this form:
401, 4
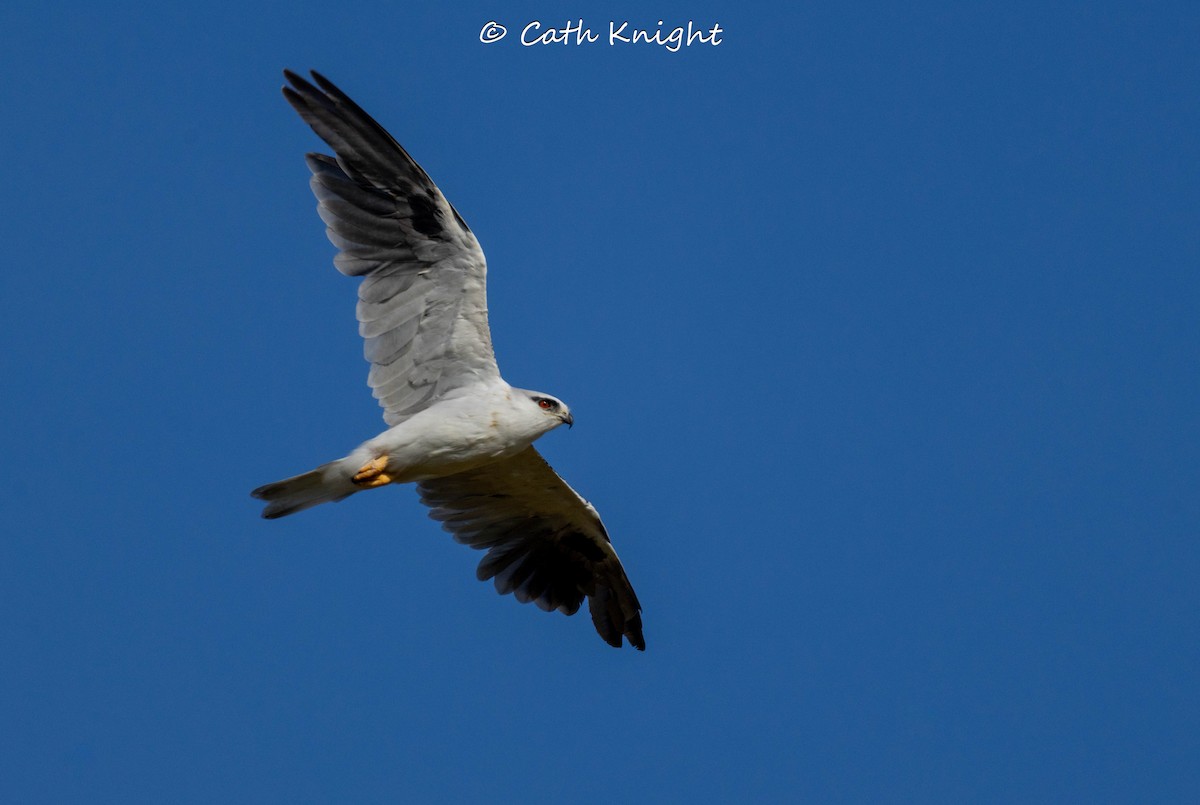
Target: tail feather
322, 485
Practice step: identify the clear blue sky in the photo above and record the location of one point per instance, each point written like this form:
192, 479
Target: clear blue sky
880, 328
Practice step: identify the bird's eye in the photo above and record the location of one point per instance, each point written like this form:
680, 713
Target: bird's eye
545, 405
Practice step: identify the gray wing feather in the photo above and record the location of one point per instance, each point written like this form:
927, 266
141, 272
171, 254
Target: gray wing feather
422, 306
544, 542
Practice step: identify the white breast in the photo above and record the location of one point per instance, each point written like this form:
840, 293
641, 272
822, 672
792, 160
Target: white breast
457, 434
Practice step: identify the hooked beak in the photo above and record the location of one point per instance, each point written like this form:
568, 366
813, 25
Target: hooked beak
570, 420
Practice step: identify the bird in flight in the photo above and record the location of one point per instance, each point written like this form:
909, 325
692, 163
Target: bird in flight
455, 427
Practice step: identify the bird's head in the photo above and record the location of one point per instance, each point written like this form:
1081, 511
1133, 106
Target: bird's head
551, 407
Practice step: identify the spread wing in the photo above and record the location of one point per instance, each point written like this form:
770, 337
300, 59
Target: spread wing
544, 542
422, 304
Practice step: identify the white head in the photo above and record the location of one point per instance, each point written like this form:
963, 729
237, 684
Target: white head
553, 409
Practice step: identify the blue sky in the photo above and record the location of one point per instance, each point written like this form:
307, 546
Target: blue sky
879, 326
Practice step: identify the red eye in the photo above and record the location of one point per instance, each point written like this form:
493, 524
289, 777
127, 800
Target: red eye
545, 405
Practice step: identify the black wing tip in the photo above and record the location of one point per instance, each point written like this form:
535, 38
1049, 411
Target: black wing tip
327, 85
324, 89
297, 101
633, 631
300, 82
302, 93
297, 86
635, 639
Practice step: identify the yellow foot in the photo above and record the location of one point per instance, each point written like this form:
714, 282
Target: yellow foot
372, 474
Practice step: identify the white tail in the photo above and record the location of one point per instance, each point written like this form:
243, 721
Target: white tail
326, 484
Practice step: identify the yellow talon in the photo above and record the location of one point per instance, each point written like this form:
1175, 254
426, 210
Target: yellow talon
372, 474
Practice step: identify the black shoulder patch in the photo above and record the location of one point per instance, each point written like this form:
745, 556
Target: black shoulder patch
426, 217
